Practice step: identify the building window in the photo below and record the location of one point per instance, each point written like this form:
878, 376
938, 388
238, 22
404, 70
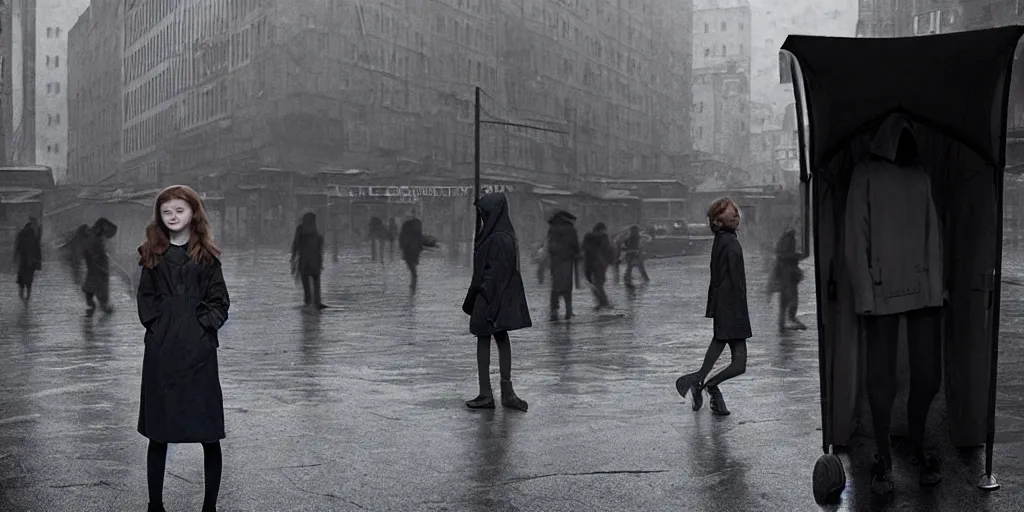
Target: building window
49, 32
707, 52
724, 52
723, 26
707, 28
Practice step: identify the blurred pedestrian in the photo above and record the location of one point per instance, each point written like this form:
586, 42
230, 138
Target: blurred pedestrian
308, 259
727, 305
392, 236
183, 301
496, 300
563, 253
597, 255
785, 279
411, 241
97, 266
633, 253
28, 255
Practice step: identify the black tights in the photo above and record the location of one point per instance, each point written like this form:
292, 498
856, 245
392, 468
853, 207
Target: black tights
156, 462
483, 360
736, 367
925, 355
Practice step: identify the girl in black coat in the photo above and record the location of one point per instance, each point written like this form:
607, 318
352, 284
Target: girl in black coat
496, 301
727, 305
183, 301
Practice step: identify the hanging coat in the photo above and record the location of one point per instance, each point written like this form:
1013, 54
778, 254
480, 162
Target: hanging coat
727, 292
563, 250
496, 300
182, 304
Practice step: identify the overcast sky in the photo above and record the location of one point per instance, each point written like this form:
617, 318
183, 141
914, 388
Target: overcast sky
773, 20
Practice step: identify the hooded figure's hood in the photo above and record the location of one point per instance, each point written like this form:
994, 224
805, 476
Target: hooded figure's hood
104, 228
895, 137
308, 225
493, 210
562, 217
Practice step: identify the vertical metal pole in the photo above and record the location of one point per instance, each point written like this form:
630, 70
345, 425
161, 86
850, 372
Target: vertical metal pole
476, 163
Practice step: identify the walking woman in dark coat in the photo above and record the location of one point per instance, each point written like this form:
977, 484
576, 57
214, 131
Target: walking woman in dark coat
308, 259
28, 254
97, 266
727, 305
183, 301
496, 301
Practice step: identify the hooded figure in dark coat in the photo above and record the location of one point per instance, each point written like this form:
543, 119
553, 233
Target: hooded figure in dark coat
411, 241
97, 266
598, 254
308, 259
377, 233
496, 300
563, 253
28, 254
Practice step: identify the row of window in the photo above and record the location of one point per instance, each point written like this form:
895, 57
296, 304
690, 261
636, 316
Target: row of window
145, 16
53, 88
52, 32
52, 119
53, 148
723, 51
722, 27
52, 61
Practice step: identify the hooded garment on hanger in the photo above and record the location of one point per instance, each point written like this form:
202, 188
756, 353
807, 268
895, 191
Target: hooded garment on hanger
893, 233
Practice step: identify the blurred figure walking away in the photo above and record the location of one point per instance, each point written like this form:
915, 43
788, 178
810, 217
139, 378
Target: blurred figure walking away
563, 253
392, 236
308, 259
786, 278
634, 255
727, 305
183, 302
496, 300
28, 256
72, 252
377, 234
598, 254
97, 266
539, 257
411, 241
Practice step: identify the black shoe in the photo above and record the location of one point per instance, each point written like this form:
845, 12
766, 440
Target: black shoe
509, 398
930, 468
717, 404
799, 325
481, 402
697, 392
881, 476
155, 507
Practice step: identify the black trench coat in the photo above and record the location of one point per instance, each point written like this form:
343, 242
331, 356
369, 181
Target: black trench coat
182, 304
727, 292
496, 299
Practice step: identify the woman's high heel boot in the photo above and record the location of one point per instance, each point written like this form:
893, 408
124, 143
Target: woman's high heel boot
717, 402
691, 383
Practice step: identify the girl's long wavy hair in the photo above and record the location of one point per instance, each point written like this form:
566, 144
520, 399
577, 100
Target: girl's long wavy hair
201, 248
723, 213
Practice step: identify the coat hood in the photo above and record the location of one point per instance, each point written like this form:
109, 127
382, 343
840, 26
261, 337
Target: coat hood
895, 138
308, 225
493, 210
562, 217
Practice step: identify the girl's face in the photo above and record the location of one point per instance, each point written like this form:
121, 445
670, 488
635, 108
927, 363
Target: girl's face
176, 215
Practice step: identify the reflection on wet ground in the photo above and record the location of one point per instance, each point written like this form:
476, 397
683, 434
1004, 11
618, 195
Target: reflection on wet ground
360, 407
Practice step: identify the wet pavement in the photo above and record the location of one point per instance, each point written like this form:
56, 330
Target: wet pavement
361, 407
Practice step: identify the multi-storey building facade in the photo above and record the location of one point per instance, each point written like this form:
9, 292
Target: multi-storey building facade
350, 84
721, 79
885, 18
94, 94
54, 18
6, 79
21, 146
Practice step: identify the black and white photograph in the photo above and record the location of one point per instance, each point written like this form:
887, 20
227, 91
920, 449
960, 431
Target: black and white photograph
511, 255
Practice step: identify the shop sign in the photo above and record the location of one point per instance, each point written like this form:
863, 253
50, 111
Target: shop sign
415, 192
